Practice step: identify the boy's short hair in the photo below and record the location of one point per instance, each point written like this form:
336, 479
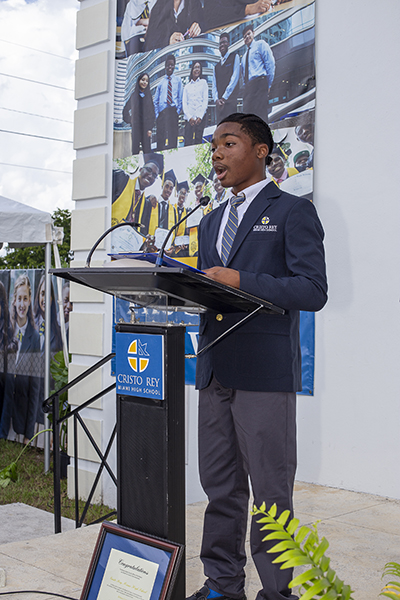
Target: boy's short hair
248, 27
170, 57
255, 127
226, 35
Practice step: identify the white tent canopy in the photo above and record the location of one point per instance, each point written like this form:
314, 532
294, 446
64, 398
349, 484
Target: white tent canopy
23, 225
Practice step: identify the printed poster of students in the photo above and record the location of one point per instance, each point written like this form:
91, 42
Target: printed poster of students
22, 331
178, 73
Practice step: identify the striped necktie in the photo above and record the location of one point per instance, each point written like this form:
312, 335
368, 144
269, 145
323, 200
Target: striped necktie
146, 11
169, 92
231, 227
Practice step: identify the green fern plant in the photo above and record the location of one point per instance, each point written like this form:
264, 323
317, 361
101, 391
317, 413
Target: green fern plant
298, 547
392, 588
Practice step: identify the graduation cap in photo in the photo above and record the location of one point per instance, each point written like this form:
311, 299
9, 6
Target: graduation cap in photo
182, 184
279, 140
199, 179
157, 159
170, 175
284, 154
301, 154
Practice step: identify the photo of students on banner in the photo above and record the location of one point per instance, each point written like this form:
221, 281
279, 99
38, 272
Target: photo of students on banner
158, 197
139, 113
168, 99
22, 321
67, 308
291, 166
55, 334
174, 96
150, 24
5, 332
144, 25
184, 65
162, 188
21, 393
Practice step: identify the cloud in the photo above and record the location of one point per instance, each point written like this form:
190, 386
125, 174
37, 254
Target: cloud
49, 26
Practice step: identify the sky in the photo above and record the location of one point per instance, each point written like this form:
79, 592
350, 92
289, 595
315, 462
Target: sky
37, 43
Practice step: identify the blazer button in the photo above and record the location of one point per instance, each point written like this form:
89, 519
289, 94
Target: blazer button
219, 317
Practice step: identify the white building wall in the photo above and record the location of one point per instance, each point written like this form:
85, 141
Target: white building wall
348, 432
90, 329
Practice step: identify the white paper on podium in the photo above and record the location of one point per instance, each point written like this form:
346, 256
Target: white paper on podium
195, 218
160, 235
181, 240
126, 239
300, 184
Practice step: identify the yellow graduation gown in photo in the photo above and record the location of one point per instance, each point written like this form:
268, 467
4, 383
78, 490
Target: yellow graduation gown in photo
123, 204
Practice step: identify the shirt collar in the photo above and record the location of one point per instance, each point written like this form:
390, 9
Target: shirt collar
180, 9
222, 198
23, 328
284, 176
225, 58
252, 191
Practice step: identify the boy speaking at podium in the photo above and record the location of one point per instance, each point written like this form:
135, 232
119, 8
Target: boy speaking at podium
269, 244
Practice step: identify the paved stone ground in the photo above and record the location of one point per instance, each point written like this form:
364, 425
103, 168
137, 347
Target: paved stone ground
363, 531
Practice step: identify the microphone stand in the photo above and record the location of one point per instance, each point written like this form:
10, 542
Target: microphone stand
203, 202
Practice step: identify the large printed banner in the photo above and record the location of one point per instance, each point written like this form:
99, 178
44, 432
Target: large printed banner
180, 68
22, 331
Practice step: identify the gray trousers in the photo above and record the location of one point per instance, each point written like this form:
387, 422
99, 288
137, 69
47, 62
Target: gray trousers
244, 434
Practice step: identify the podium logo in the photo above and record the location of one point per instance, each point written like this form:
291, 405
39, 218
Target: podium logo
137, 353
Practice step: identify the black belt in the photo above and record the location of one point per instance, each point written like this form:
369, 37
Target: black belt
260, 77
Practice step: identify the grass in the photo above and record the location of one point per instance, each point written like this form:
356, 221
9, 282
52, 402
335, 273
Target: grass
35, 488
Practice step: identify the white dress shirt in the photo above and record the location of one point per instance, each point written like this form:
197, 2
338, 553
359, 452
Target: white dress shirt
21, 330
133, 10
195, 99
250, 193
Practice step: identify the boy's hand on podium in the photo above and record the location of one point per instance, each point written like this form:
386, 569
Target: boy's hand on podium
224, 275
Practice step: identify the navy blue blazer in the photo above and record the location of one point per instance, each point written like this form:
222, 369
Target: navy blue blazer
278, 251
21, 395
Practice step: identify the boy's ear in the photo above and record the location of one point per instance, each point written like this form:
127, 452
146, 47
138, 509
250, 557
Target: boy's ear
262, 151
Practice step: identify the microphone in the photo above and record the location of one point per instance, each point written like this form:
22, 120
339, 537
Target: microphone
133, 224
202, 202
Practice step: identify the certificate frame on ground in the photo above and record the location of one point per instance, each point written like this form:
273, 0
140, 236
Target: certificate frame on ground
130, 565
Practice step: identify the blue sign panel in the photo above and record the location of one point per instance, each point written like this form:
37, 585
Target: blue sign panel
307, 331
140, 365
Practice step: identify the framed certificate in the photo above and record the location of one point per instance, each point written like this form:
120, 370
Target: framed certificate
128, 565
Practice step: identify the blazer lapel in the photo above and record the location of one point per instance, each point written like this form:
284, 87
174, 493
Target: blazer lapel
256, 208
